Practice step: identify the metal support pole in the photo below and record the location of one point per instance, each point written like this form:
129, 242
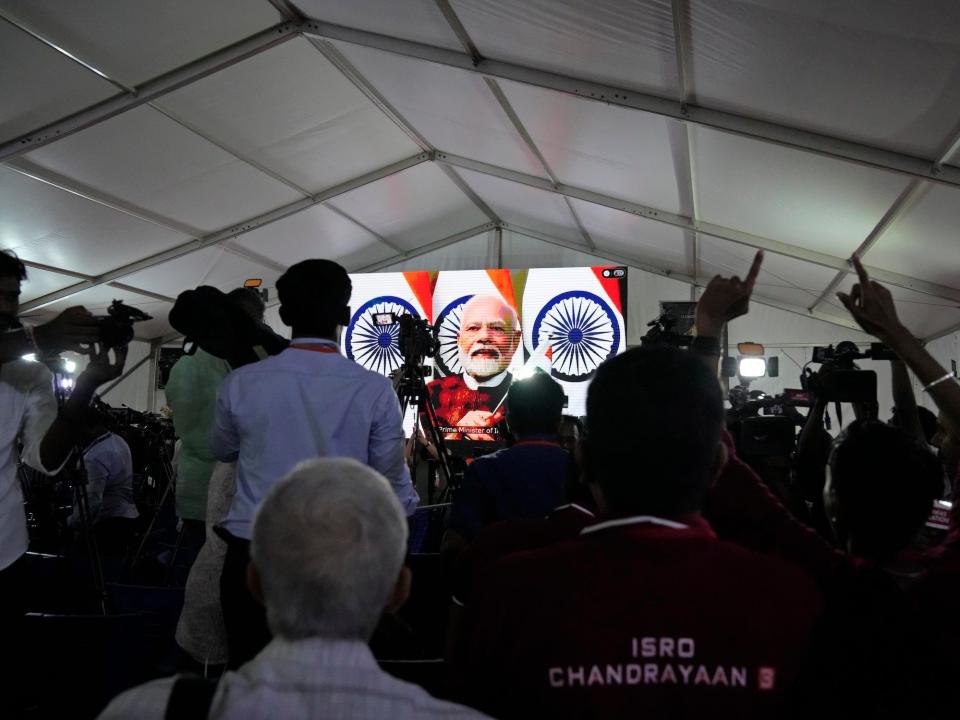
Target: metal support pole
154, 357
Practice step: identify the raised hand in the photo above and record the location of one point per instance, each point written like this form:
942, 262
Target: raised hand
725, 299
100, 369
872, 306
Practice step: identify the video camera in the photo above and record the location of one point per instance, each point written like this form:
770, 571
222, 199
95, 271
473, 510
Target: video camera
209, 319
764, 425
116, 327
417, 339
839, 379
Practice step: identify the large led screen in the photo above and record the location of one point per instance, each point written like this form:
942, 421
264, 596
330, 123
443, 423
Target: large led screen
493, 326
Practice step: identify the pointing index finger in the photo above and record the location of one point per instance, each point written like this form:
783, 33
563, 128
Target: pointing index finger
861, 272
754, 270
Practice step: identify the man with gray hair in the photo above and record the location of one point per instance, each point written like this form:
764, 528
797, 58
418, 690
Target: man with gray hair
469, 406
327, 560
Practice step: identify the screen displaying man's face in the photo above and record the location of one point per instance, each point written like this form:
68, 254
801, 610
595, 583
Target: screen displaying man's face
488, 337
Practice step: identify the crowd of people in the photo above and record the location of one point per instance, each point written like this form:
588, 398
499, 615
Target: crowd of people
630, 565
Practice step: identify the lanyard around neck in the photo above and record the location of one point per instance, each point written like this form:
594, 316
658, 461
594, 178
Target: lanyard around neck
315, 347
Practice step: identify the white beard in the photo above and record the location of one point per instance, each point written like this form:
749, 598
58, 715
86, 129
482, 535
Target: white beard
483, 367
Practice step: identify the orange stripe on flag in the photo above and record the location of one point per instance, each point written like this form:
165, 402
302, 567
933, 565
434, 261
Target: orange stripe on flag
501, 279
420, 283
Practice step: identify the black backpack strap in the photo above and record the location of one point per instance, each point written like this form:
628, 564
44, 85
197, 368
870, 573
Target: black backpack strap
191, 698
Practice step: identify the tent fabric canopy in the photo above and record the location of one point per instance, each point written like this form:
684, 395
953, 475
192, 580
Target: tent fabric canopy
149, 148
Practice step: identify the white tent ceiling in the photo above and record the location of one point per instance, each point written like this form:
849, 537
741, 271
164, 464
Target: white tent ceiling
148, 148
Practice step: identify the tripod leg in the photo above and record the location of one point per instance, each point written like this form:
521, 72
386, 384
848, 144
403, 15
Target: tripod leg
90, 540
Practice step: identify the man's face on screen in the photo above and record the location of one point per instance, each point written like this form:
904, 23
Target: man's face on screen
488, 337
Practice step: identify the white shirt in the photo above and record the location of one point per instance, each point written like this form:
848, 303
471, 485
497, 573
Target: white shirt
304, 679
299, 405
109, 470
471, 382
27, 409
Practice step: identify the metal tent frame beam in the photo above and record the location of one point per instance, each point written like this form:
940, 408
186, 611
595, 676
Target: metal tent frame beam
746, 126
646, 102
429, 247
219, 236
148, 91
73, 186
351, 73
680, 277
704, 228
900, 206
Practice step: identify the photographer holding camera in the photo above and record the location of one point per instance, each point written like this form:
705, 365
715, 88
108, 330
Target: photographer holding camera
30, 417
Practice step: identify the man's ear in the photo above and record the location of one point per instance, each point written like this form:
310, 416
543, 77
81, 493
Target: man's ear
720, 461
345, 317
253, 584
400, 592
283, 317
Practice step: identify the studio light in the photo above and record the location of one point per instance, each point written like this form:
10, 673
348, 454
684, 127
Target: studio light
752, 367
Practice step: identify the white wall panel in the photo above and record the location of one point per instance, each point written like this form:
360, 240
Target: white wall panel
791, 196
54, 227
630, 44
599, 147
149, 160
295, 113
877, 71
454, 110
38, 85
210, 266
665, 247
412, 208
525, 206
135, 41
419, 20
470, 254
923, 243
781, 278
315, 233
41, 282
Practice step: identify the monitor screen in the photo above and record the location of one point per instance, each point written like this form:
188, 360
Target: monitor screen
492, 327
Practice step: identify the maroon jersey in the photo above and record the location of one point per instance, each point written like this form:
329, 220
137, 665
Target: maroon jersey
451, 399
510, 536
640, 617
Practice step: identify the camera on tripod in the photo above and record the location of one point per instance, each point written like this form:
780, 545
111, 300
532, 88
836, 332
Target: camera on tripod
672, 326
116, 327
839, 379
416, 339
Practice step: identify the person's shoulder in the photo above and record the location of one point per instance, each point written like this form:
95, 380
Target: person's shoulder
143, 702
779, 575
427, 706
24, 374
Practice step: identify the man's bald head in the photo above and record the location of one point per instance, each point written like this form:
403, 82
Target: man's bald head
489, 336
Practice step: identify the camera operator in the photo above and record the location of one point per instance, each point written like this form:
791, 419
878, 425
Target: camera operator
309, 401
108, 466
30, 417
191, 392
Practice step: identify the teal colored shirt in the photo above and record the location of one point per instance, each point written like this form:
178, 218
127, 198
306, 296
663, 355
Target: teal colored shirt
192, 396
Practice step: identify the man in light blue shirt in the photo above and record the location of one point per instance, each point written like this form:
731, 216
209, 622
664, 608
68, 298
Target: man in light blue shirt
309, 401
